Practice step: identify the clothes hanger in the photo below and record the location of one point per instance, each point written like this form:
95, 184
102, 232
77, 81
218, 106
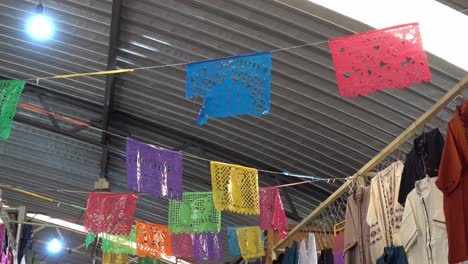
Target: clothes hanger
352, 187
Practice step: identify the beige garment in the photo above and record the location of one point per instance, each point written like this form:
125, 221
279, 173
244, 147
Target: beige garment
385, 213
357, 232
423, 232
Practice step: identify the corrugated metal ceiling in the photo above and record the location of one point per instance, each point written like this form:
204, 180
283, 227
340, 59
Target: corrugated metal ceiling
311, 129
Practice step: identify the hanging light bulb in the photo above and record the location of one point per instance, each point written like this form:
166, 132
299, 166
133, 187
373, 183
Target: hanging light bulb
54, 246
40, 26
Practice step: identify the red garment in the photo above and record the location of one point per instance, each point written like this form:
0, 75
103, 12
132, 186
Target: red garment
338, 243
453, 182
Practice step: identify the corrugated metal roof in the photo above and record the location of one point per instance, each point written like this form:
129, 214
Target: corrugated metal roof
311, 129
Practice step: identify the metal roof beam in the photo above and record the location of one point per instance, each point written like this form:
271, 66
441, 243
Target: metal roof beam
59, 96
50, 128
110, 81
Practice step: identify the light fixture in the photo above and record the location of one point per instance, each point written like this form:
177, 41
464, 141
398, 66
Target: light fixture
39, 26
54, 246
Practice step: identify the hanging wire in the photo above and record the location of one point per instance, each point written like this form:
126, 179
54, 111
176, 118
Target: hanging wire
74, 75
71, 120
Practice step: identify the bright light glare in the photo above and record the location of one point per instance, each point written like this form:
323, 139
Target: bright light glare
441, 26
40, 27
54, 246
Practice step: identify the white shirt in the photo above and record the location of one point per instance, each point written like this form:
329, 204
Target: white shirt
423, 231
308, 256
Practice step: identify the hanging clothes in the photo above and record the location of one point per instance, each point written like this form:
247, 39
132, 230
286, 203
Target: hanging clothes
422, 160
453, 182
303, 256
290, 255
394, 255
357, 231
385, 213
279, 259
423, 231
308, 255
326, 256
26, 240
338, 248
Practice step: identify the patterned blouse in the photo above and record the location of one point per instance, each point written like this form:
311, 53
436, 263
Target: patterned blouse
385, 213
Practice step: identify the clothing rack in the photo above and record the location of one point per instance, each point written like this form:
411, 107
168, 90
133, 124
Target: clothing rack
384, 153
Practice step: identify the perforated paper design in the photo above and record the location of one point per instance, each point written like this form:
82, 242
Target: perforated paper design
120, 244
272, 215
182, 245
153, 170
2, 236
207, 246
110, 213
194, 214
10, 93
250, 242
231, 86
148, 260
386, 58
153, 240
234, 249
90, 237
113, 258
7, 257
235, 188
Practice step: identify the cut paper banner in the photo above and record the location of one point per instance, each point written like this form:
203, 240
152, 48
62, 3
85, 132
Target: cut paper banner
2, 235
90, 237
231, 86
10, 93
235, 188
250, 242
233, 241
113, 258
182, 245
194, 214
148, 260
120, 244
153, 240
375, 60
272, 215
207, 246
153, 170
110, 213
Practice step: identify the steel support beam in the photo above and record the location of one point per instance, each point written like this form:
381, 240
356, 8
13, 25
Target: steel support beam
59, 96
110, 81
27, 121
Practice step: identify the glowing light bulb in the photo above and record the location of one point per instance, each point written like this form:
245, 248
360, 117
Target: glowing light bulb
54, 246
40, 27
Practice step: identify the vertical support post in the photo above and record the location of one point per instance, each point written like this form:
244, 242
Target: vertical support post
19, 229
270, 244
110, 81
